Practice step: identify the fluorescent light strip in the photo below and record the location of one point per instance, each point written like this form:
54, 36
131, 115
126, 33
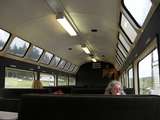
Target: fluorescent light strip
67, 26
86, 50
94, 60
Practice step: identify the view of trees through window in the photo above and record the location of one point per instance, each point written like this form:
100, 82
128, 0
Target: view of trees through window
18, 47
35, 53
62, 80
15, 78
47, 79
149, 74
130, 78
72, 81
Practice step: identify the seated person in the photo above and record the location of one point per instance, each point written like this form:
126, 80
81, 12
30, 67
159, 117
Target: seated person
114, 88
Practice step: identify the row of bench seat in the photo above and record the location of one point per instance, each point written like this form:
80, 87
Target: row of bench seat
89, 107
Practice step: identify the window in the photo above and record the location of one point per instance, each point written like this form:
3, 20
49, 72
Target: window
71, 68
128, 29
55, 61
62, 80
61, 64
4, 36
122, 49
149, 74
118, 62
35, 53
130, 78
139, 9
124, 42
16, 78
18, 47
66, 67
121, 55
46, 58
47, 79
75, 69
72, 81
119, 59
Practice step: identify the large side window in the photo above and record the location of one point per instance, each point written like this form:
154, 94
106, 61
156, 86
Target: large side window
139, 9
72, 81
130, 78
47, 79
149, 74
4, 36
62, 80
16, 78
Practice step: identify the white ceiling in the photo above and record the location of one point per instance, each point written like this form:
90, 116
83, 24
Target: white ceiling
35, 21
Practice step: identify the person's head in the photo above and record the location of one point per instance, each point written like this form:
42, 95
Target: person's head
115, 87
111, 72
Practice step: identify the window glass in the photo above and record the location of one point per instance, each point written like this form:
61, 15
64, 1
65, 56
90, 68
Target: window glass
155, 67
46, 58
124, 42
121, 55
16, 78
4, 36
71, 68
61, 64
122, 49
119, 59
130, 78
128, 29
47, 79
55, 61
75, 69
62, 80
139, 9
66, 67
149, 75
35, 53
72, 81
18, 47
155, 55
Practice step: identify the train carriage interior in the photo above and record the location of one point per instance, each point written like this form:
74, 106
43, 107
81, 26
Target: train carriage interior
64, 53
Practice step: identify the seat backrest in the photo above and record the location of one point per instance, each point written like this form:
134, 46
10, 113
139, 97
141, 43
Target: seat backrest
89, 107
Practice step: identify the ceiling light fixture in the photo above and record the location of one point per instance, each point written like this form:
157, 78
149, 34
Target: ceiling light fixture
85, 49
66, 24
